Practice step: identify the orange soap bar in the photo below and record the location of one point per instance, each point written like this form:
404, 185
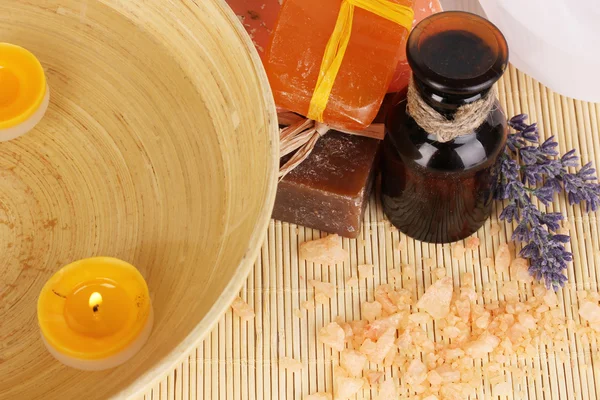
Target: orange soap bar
423, 9
298, 43
258, 17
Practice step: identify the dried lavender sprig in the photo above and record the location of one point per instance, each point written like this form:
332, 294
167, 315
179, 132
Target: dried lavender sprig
542, 175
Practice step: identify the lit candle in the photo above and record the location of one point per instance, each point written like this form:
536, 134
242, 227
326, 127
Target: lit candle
95, 314
24, 93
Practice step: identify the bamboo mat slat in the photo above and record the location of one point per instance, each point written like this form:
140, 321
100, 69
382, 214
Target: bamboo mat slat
239, 360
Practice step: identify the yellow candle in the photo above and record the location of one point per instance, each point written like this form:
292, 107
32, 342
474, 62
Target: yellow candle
24, 93
95, 314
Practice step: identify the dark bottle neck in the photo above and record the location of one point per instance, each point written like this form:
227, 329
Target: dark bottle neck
446, 103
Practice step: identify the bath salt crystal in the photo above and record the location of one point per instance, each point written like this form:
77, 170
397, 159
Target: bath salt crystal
488, 262
353, 362
347, 329
451, 332
502, 260
388, 390
590, 312
472, 243
551, 299
308, 305
290, 364
420, 318
539, 291
519, 270
352, 282
325, 288
242, 309
375, 329
467, 279
373, 377
484, 345
395, 275
333, 336
322, 299
382, 295
502, 389
327, 251
345, 387
581, 295
436, 300
365, 271
458, 251
408, 271
440, 273
448, 374
527, 320
494, 229
371, 311
510, 290
382, 347
434, 378
593, 296
416, 373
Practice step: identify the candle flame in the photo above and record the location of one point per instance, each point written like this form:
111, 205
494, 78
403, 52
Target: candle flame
95, 300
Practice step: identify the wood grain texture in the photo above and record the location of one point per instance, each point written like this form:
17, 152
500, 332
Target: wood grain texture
278, 285
160, 147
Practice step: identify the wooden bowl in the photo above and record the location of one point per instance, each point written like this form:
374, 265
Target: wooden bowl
160, 147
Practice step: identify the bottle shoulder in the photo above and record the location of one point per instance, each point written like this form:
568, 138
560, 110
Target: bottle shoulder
476, 149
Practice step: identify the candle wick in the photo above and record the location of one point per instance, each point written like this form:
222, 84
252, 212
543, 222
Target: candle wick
95, 301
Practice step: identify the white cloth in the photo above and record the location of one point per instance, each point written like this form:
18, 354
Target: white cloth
557, 42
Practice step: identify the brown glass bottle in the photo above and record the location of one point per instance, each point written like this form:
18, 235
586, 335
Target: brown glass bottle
442, 192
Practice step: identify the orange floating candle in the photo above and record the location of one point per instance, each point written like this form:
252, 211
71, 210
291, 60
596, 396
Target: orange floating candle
24, 93
95, 314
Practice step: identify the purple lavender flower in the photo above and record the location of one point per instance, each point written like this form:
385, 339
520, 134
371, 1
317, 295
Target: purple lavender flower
542, 175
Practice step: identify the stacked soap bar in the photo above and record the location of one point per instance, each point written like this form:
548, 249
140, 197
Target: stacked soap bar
298, 47
330, 189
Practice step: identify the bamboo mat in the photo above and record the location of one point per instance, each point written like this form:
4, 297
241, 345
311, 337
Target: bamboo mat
239, 360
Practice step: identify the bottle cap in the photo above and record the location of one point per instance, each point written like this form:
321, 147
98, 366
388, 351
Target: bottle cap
457, 53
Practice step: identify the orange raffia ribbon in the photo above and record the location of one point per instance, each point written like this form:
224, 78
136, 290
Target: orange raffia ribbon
338, 43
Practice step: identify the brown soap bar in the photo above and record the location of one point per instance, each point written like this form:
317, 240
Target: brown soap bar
329, 190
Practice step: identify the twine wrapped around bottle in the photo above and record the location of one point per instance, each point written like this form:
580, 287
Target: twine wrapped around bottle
466, 119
